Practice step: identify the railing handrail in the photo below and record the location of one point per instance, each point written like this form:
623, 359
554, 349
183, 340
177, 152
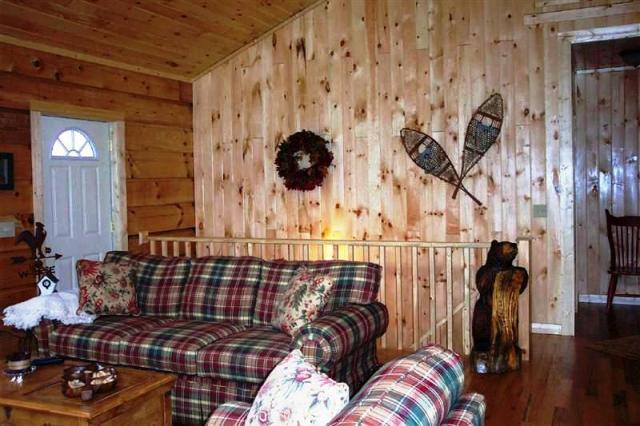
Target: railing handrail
145, 237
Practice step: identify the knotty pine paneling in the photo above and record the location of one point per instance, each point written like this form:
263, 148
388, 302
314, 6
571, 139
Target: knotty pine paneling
158, 138
357, 72
606, 168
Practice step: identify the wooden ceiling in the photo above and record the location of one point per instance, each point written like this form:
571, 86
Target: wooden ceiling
178, 39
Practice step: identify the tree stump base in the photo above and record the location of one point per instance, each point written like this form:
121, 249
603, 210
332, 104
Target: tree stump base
491, 363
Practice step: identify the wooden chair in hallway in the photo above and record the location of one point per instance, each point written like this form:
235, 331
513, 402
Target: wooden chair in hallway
623, 233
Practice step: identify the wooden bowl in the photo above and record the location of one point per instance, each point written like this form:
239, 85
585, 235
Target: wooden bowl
101, 379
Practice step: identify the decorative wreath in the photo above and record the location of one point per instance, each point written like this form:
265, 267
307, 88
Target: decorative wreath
303, 160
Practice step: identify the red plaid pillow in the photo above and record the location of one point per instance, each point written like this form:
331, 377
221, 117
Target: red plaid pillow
107, 288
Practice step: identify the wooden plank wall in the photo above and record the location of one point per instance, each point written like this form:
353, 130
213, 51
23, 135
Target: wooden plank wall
15, 205
357, 72
158, 123
606, 171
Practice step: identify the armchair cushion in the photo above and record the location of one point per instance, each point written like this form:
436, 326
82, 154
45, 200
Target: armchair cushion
174, 346
338, 333
249, 355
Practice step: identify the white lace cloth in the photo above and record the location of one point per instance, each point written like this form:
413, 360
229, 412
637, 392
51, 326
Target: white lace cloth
61, 306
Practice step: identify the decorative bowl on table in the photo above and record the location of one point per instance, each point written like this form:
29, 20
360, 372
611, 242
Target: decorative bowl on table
99, 379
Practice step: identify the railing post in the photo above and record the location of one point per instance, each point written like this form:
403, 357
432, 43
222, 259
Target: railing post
416, 302
524, 305
466, 295
398, 301
432, 293
449, 277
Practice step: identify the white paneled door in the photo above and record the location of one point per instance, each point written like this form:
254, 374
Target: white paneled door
77, 192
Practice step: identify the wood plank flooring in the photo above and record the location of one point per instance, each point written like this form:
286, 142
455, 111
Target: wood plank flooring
566, 383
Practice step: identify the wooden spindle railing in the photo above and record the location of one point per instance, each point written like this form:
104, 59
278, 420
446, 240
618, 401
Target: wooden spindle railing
428, 286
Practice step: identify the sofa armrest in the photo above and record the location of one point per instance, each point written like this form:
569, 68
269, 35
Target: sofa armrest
229, 414
42, 332
468, 410
336, 334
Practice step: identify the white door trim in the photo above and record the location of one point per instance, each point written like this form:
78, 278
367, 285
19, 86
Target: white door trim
117, 154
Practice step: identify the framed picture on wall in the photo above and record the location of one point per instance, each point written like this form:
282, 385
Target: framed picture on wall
6, 171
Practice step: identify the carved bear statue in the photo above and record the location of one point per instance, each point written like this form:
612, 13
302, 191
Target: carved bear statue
495, 318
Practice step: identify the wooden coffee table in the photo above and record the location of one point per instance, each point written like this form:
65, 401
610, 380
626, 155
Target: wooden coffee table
139, 398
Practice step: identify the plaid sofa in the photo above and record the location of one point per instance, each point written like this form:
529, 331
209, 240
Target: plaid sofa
208, 321
424, 388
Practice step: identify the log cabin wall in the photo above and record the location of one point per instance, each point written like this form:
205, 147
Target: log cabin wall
606, 157
159, 154
16, 204
359, 71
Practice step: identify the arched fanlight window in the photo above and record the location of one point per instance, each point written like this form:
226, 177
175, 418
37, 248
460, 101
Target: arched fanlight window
73, 143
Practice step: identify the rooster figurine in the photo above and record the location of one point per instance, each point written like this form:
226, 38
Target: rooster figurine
38, 253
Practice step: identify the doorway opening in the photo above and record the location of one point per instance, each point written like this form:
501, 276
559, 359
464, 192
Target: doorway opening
606, 146
79, 188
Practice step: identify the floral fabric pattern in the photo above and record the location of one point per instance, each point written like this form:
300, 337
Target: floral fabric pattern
302, 301
296, 394
107, 288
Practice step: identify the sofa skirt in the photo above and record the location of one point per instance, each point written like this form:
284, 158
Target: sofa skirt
195, 398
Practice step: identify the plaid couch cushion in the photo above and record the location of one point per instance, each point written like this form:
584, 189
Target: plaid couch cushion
417, 389
100, 341
355, 282
174, 345
230, 414
468, 410
221, 289
194, 398
159, 282
246, 356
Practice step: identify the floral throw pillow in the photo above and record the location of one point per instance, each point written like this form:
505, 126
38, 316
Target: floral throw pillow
302, 301
296, 394
106, 288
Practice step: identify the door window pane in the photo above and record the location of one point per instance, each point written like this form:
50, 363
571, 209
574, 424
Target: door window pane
73, 143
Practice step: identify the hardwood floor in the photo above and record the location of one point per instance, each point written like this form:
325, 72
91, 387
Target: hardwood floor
565, 383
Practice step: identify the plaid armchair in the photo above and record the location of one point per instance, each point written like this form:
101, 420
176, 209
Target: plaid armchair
208, 320
424, 388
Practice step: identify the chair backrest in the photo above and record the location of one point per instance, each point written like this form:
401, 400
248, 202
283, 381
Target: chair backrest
416, 389
623, 233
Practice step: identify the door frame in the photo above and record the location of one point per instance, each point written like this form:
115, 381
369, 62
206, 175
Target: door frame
565, 123
116, 124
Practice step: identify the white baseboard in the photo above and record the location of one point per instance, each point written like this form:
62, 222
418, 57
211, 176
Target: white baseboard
544, 328
602, 298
